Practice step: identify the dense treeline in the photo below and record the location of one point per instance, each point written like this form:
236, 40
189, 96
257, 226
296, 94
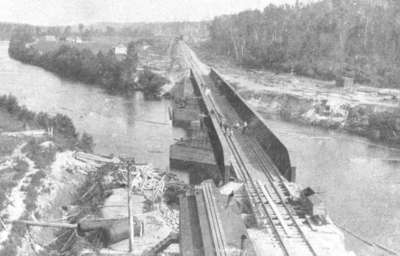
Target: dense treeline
106, 70
61, 124
327, 39
6, 29
194, 30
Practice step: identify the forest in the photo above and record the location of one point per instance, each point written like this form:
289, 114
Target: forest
116, 76
329, 40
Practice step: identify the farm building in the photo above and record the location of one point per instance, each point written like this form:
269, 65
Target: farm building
50, 38
121, 49
74, 39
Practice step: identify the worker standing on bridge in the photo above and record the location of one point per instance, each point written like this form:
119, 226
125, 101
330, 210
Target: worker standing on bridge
244, 128
207, 92
229, 131
202, 118
224, 125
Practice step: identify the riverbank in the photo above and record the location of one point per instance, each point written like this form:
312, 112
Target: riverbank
32, 144
95, 199
362, 110
356, 178
116, 73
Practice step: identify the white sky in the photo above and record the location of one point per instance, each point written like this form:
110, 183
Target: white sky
61, 12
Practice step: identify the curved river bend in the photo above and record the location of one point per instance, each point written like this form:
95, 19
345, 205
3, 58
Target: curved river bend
127, 126
359, 181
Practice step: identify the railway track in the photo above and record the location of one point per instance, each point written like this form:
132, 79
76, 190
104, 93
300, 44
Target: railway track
273, 188
217, 231
267, 200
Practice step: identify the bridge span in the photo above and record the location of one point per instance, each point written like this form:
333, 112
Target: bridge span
256, 158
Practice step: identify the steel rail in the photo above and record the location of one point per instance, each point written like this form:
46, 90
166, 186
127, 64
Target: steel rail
261, 161
249, 182
282, 200
213, 225
218, 222
251, 185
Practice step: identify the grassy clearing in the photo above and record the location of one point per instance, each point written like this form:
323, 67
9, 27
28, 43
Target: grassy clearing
96, 44
101, 43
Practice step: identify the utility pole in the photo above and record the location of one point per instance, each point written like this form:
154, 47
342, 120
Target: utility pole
130, 164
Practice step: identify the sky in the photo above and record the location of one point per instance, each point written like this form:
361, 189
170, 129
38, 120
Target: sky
63, 12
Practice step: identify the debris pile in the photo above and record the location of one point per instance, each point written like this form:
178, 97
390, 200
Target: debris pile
170, 216
96, 215
146, 180
112, 178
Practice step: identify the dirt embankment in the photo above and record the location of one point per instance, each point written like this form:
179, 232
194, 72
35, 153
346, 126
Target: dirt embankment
363, 110
38, 173
80, 188
39, 194
378, 121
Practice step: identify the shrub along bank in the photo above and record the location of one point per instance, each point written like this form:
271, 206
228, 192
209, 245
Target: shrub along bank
64, 130
115, 75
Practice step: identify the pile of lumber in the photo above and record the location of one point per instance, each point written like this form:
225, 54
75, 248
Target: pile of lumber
144, 180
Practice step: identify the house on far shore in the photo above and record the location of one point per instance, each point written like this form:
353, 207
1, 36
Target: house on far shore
121, 49
50, 38
78, 40
74, 39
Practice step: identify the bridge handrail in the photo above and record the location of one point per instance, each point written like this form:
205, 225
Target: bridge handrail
213, 117
258, 117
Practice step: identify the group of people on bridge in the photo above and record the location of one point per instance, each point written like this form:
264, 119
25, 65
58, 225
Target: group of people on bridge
228, 129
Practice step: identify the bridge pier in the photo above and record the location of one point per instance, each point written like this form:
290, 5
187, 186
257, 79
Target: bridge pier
195, 154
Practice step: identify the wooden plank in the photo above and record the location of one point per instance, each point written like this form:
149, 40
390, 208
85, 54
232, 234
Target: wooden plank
43, 224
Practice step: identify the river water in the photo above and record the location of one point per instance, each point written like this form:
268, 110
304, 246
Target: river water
126, 126
358, 180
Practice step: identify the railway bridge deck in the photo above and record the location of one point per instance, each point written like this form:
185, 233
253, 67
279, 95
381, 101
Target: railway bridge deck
258, 160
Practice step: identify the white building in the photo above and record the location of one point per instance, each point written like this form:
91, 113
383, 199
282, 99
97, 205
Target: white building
74, 39
121, 50
50, 38
78, 40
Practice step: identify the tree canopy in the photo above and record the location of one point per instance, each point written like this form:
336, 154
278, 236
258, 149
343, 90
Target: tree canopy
326, 39
114, 74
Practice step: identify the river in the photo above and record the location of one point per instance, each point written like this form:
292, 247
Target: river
358, 180
126, 126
